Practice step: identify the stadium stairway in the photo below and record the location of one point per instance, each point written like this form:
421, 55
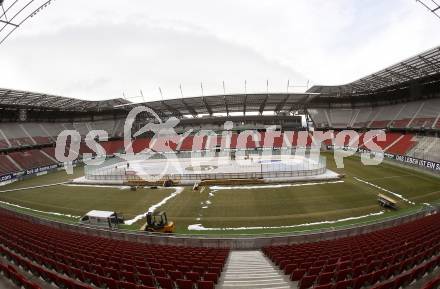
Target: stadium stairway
252, 270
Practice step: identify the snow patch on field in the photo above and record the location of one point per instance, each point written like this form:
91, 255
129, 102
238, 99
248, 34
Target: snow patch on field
38, 211
216, 188
385, 190
200, 227
99, 186
177, 191
31, 188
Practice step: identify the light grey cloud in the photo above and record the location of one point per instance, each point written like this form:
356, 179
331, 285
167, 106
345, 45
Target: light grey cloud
98, 49
105, 60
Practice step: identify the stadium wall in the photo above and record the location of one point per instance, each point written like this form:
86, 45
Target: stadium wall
238, 243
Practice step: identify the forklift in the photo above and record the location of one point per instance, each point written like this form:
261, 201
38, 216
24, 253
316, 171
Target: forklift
158, 223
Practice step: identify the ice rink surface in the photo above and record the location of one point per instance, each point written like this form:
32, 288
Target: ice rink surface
219, 165
187, 171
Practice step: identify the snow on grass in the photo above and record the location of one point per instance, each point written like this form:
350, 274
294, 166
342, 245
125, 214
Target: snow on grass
99, 186
200, 227
33, 187
39, 211
385, 190
177, 191
217, 188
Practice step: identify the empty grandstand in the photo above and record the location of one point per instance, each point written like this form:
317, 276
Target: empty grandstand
404, 252
260, 199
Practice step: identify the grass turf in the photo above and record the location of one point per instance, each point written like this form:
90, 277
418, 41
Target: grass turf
241, 208
78, 200
305, 204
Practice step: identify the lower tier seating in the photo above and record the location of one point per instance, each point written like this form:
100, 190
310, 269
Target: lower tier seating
73, 260
389, 258
395, 143
6, 166
31, 159
433, 284
18, 279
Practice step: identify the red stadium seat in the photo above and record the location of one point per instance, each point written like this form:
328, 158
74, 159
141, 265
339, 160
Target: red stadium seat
193, 276
147, 280
210, 277
307, 282
108, 282
326, 286
184, 284
344, 274
297, 274
176, 275
205, 285
343, 284
325, 278
145, 287
165, 283
128, 285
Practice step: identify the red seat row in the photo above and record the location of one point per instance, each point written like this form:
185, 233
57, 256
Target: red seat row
365, 259
31, 159
95, 260
433, 284
395, 143
6, 166
18, 279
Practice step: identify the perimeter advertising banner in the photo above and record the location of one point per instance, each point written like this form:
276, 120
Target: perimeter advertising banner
30, 172
418, 162
435, 166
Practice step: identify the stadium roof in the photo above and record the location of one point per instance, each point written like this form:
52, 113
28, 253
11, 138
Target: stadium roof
241, 103
172, 107
13, 14
27, 99
421, 66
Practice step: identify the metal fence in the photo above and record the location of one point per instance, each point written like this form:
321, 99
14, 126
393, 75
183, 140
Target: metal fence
262, 168
109, 175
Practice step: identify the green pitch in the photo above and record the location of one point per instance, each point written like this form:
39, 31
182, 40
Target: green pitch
271, 208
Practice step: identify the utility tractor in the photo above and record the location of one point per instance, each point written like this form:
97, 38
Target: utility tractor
158, 223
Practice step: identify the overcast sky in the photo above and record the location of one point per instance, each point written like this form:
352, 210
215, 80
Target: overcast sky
99, 49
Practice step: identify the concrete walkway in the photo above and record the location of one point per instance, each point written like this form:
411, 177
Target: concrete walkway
251, 270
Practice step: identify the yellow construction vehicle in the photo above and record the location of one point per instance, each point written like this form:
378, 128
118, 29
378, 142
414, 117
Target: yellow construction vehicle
158, 223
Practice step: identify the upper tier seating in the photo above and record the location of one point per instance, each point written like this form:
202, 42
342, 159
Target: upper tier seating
14, 135
64, 257
397, 255
38, 133
418, 114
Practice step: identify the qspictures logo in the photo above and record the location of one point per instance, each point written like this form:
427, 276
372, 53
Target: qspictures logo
167, 143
